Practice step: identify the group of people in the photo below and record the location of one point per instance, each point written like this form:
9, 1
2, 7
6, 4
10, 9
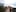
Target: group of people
8, 9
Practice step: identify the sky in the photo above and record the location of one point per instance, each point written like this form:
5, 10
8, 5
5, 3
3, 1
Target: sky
8, 2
